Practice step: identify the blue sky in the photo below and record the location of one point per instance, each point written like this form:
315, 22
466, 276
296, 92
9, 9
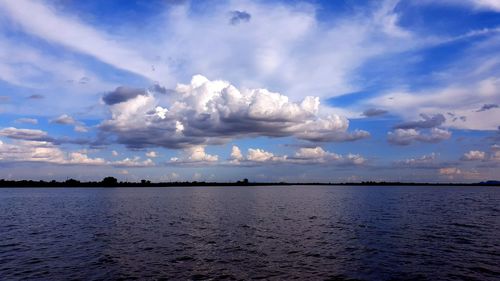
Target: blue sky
271, 91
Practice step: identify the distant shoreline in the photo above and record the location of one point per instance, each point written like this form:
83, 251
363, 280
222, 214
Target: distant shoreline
113, 182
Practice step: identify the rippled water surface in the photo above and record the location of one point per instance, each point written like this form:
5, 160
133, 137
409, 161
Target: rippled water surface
272, 233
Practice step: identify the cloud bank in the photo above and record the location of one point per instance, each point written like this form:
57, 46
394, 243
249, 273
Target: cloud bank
214, 112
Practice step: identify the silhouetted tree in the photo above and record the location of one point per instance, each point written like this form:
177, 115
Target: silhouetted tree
72, 182
109, 181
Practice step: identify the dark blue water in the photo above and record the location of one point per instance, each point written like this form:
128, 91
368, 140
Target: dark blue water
271, 233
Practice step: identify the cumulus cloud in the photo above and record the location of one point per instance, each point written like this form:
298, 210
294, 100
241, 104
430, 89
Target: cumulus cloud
32, 121
213, 112
151, 154
194, 155
427, 122
260, 155
236, 154
83, 159
41, 151
134, 162
408, 136
304, 156
238, 17
474, 155
371, 112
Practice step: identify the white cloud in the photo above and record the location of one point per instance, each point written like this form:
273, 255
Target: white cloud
114, 153
133, 162
408, 136
236, 154
32, 121
213, 112
24, 134
424, 161
450, 171
260, 155
81, 129
151, 154
66, 119
70, 32
83, 159
303, 156
460, 93
495, 156
474, 155
257, 55
316, 154
198, 154
195, 155
40, 151
491, 5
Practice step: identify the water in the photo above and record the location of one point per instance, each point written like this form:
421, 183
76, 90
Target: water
272, 233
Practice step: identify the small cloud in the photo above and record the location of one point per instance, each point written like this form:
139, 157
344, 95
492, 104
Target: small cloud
36, 97
114, 153
425, 161
408, 136
159, 89
474, 155
24, 134
64, 119
81, 129
487, 107
238, 17
371, 112
84, 80
32, 121
450, 171
133, 162
152, 154
122, 94
427, 122
195, 155
236, 154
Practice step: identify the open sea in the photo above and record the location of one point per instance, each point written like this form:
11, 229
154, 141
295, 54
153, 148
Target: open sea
245, 233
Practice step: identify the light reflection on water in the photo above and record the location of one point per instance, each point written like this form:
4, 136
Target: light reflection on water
281, 232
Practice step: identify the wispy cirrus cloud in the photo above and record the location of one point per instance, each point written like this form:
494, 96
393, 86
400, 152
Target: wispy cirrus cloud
75, 34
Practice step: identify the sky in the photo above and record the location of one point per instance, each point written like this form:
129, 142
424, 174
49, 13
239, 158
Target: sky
297, 91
